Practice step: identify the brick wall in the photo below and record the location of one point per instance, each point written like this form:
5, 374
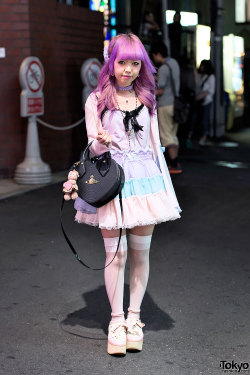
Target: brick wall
62, 37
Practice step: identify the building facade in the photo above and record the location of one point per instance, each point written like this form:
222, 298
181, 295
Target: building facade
62, 37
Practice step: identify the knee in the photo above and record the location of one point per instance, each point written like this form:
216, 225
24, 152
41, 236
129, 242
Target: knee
111, 247
119, 260
138, 258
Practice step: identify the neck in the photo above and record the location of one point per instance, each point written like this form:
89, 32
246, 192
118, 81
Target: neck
124, 88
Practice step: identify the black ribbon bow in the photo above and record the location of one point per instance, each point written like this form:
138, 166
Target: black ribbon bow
131, 116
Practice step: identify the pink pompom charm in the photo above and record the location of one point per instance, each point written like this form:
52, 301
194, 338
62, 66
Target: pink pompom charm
67, 185
74, 195
67, 197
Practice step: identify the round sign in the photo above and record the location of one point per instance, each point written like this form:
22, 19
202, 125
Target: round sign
90, 71
31, 74
34, 76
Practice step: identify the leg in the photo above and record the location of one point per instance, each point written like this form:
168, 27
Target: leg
114, 273
206, 109
139, 246
114, 282
168, 133
172, 152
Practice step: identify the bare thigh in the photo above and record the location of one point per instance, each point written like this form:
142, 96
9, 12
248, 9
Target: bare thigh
112, 233
145, 230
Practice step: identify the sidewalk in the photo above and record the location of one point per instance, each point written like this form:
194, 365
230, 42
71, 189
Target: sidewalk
9, 188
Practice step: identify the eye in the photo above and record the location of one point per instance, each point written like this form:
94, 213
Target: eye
136, 63
121, 62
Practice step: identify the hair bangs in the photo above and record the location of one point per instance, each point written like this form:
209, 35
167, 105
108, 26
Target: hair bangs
128, 49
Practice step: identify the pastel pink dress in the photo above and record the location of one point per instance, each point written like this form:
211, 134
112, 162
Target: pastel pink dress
146, 198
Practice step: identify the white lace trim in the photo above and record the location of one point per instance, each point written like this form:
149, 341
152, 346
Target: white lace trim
136, 224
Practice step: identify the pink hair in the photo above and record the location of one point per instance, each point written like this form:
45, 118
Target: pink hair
126, 47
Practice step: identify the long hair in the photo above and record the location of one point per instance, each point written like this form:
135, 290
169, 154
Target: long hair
126, 47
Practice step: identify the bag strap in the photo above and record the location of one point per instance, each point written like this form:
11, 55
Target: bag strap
171, 77
72, 247
203, 83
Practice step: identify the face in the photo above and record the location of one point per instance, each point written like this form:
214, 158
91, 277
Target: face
126, 71
202, 68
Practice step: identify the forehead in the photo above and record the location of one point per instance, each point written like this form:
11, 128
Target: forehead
129, 51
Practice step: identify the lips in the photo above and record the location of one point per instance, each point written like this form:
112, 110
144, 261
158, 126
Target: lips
127, 76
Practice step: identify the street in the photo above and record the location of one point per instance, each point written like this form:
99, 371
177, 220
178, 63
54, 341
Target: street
54, 313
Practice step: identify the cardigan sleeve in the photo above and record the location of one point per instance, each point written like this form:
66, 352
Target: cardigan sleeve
161, 162
93, 125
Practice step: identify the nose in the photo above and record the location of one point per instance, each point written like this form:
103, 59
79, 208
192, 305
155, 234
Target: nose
128, 68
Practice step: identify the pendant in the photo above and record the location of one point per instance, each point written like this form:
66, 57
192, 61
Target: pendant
127, 101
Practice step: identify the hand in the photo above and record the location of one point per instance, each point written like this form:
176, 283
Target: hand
104, 137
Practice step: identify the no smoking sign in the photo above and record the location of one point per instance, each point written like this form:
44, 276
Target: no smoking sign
31, 76
89, 73
34, 76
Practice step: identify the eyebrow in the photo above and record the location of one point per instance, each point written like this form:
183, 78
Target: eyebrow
137, 60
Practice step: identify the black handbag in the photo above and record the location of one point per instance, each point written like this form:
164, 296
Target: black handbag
181, 104
100, 180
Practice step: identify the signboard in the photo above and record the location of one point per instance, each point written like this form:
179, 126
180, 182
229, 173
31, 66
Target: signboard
89, 72
31, 76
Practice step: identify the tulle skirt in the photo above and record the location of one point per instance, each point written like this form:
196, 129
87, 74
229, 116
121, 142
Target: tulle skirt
144, 197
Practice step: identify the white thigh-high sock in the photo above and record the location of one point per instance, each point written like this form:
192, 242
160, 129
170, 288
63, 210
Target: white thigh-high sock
139, 247
114, 275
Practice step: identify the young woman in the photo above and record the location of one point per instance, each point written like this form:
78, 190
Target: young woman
121, 117
204, 99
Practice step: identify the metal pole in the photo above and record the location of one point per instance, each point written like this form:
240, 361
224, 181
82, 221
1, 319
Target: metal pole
123, 14
164, 24
217, 59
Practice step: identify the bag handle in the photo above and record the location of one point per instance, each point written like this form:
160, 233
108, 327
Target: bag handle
72, 247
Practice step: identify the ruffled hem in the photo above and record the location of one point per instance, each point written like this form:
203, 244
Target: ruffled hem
137, 211
137, 224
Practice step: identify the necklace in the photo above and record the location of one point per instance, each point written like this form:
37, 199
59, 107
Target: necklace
126, 88
127, 122
136, 105
127, 98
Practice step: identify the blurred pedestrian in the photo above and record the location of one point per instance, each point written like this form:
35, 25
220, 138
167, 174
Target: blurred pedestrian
165, 95
120, 118
150, 28
175, 33
188, 84
204, 100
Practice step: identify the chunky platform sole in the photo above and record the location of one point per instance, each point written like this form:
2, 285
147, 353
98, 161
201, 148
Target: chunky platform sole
134, 345
115, 349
